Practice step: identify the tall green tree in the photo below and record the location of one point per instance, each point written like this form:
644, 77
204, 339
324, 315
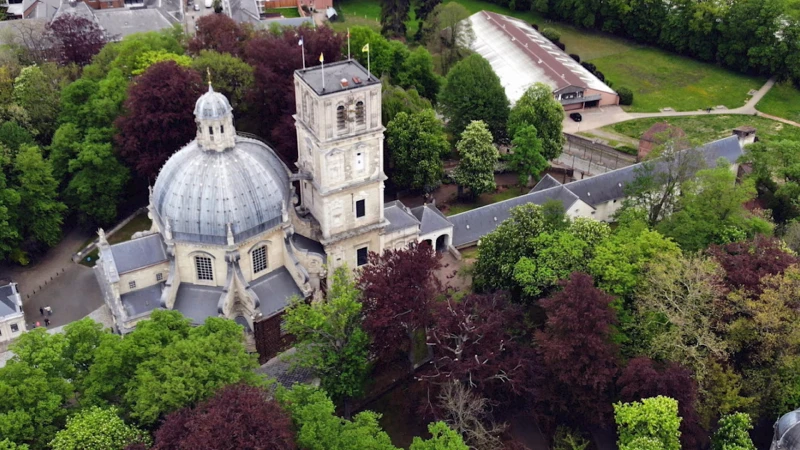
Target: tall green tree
38, 191
448, 32
526, 155
416, 145
648, 425
231, 76
417, 72
537, 107
97, 428
776, 167
442, 438
10, 234
395, 100
38, 92
98, 181
473, 92
381, 54
711, 210
330, 338
478, 156
394, 14
733, 433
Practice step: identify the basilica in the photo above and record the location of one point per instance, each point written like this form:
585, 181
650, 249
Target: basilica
236, 233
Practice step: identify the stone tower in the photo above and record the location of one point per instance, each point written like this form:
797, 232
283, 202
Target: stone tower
340, 158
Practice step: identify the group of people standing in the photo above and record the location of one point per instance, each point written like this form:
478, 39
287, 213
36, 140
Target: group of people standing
46, 312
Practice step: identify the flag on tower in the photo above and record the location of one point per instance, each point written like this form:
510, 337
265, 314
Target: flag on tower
302, 52
300, 42
365, 48
321, 57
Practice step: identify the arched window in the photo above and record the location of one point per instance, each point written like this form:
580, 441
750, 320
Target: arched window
360, 118
340, 117
259, 259
205, 270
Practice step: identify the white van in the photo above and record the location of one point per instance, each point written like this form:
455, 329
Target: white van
209, 3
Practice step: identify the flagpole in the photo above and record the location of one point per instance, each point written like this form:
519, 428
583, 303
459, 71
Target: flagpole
303, 50
348, 44
322, 61
369, 71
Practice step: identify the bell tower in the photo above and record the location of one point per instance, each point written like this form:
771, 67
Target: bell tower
340, 157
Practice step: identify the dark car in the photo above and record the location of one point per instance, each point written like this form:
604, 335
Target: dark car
576, 117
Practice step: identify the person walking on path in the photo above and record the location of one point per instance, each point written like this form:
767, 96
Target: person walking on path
49, 310
46, 322
41, 310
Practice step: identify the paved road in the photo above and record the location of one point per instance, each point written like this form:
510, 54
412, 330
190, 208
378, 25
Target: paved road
607, 115
73, 291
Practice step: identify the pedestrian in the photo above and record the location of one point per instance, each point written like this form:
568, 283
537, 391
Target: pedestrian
49, 310
46, 322
37, 324
41, 310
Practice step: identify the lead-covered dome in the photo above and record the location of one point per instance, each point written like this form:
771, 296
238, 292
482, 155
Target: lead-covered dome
212, 106
201, 192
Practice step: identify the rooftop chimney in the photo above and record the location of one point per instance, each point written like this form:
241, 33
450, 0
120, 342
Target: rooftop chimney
344, 82
356, 80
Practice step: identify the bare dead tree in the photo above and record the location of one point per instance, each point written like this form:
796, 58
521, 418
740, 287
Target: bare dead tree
470, 415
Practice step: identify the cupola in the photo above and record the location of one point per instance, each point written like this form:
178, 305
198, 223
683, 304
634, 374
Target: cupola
214, 117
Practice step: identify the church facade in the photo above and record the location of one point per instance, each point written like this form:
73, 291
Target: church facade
236, 233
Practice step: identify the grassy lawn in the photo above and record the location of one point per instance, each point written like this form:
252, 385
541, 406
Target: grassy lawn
783, 100
701, 129
367, 13
660, 79
138, 223
485, 199
287, 13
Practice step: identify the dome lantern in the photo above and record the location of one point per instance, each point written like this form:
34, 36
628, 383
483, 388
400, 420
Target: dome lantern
214, 117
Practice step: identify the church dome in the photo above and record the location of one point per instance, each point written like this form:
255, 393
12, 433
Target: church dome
212, 106
200, 192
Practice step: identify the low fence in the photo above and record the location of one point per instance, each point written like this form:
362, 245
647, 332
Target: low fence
93, 245
596, 153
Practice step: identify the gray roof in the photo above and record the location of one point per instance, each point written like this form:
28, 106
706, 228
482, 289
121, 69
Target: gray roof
197, 302
9, 298
787, 432
142, 301
121, 22
79, 9
280, 369
243, 322
546, 183
611, 185
330, 12
274, 290
335, 72
201, 192
399, 217
212, 106
310, 245
430, 218
139, 253
470, 226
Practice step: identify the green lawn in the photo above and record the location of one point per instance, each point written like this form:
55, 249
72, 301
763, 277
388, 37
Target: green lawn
705, 128
783, 100
661, 79
138, 223
485, 199
366, 13
285, 12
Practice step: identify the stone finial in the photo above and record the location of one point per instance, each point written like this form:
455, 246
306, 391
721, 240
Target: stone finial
284, 211
230, 235
102, 237
167, 229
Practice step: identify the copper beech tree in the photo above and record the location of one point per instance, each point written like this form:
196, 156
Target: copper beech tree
236, 417
219, 33
747, 262
398, 288
159, 116
78, 39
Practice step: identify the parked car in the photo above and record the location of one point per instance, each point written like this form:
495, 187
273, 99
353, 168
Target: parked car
576, 117
197, 7
209, 3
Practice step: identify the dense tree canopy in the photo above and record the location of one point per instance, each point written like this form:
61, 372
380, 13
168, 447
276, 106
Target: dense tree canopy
651, 424
478, 156
526, 157
78, 38
219, 33
97, 428
538, 108
473, 92
416, 145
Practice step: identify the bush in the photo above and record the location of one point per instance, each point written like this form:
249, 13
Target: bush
575, 57
600, 75
625, 96
628, 149
551, 34
535, 27
590, 67
561, 46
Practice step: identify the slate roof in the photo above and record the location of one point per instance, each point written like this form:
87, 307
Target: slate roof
280, 369
9, 298
243, 322
142, 301
334, 73
139, 253
274, 290
611, 185
546, 183
197, 302
79, 9
399, 217
470, 226
430, 218
120, 22
310, 245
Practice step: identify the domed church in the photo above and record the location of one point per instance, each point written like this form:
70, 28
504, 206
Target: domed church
236, 233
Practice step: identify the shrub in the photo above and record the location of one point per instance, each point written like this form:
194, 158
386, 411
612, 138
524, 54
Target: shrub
551, 34
590, 67
535, 27
575, 57
599, 75
561, 46
625, 96
628, 149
